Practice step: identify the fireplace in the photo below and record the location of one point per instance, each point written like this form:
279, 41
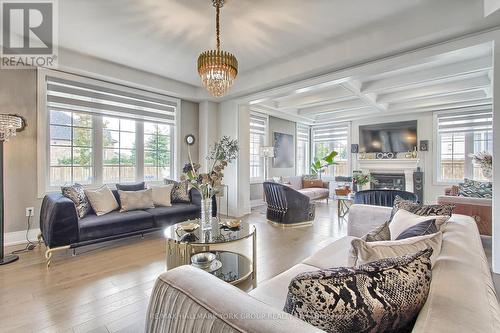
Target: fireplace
389, 181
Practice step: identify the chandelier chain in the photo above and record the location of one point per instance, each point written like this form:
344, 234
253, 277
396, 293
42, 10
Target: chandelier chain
217, 27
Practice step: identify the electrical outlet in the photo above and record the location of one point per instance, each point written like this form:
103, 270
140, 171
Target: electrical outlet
30, 211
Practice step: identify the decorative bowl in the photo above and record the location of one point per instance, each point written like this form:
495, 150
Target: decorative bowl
202, 259
232, 223
189, 227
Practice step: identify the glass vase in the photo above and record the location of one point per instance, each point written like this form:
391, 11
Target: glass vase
206, 214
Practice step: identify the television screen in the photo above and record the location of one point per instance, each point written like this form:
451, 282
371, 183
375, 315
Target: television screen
390, 137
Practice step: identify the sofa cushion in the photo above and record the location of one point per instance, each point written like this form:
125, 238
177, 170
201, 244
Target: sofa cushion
166, 216
312, 183
380, 233
114, 223
102, 200
131, 186
333, 255
423, 228
315, 193
295, 182
76, 194
420, 209
403, 220
382, 296
273, 292
180, 191
162, 195
134, 200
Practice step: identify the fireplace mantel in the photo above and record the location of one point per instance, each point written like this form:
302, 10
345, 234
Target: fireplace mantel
389, 164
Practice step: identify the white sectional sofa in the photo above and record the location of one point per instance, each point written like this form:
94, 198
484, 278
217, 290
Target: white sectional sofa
462, 297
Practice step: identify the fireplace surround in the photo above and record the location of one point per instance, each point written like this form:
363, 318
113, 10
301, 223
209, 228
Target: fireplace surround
389, 181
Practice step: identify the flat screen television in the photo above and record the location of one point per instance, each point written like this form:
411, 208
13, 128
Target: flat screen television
389, 137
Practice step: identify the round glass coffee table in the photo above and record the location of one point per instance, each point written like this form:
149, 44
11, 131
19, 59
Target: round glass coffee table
236, 267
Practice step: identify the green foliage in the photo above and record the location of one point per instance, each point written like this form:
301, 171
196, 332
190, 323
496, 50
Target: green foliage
320, 164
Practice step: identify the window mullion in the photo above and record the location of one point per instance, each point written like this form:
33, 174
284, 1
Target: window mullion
139, 150
97, 149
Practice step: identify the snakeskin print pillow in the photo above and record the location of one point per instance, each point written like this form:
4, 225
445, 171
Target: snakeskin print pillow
381, 296
380, 233
420, 209
180, 192
76, 194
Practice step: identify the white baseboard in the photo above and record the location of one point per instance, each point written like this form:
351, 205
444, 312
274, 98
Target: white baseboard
19, 237
258, 202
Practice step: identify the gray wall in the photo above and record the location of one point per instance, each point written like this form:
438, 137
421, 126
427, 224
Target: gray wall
287, 127
18, 95
189, 125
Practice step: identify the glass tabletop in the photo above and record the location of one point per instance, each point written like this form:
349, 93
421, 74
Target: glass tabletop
235, 267
217, 235
344, 197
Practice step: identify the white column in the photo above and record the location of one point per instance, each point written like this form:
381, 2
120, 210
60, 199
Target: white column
208, 133
496, 156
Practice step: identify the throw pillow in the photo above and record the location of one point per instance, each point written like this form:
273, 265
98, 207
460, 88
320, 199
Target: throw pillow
364, 252
474, 189
420, 209
423, 228
180, 191
403, 220
131, 187
102, 200
380, 233
162, 194
312, 183
382, 296
134, 200
76, 194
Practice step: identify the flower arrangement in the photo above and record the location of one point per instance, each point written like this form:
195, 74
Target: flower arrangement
485, 161
222, 153
363, 179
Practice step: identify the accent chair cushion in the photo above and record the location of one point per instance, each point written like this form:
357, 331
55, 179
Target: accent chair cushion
403, 220
364, 252
76, 194
162, 195
134, 200
102, 200
382, 296
423, 228
131, 186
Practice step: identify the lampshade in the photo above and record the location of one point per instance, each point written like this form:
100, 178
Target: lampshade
10, 124
267, 151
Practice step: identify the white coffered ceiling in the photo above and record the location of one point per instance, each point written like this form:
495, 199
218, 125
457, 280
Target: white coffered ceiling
461, 78
276, 41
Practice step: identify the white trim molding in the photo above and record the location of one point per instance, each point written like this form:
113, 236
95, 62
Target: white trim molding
19, 237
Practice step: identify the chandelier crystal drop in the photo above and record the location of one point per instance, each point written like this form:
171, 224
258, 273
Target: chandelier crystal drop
10, 125
217, 68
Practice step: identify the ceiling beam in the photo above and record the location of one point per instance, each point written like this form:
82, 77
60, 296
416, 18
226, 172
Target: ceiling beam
450, 71
354, 86
463, 85
312, 99
458, 97
353, 104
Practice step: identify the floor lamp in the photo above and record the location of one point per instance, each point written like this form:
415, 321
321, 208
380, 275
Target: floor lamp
9, 125
266, 152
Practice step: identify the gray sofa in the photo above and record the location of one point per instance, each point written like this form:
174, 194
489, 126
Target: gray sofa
462, 297
314, 193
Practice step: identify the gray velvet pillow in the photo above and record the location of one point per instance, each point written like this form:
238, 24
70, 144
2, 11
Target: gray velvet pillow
382, 296
420, 229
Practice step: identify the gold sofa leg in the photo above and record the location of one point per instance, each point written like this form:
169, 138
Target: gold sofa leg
49, 252
40, 238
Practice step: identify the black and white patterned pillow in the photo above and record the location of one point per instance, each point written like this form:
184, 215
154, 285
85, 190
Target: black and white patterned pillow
380, 233
474, 189
382, 296
421, 209
76, 194
180, 191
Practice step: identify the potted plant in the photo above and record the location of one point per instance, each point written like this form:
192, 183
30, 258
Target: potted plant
360, 179
319, 165
222, 153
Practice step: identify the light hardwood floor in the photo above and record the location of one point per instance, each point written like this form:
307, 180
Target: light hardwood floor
106, 288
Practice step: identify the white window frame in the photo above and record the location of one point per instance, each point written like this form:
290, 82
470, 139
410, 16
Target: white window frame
348, 148
43, 130
307, 154
258, 180
469, 149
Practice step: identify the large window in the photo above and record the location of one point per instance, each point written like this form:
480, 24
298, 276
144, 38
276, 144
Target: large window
460, 135
333, 137
258, 130
100, 133
303, 144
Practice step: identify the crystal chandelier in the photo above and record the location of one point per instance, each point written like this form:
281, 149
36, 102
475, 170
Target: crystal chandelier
217, 68
10, 124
